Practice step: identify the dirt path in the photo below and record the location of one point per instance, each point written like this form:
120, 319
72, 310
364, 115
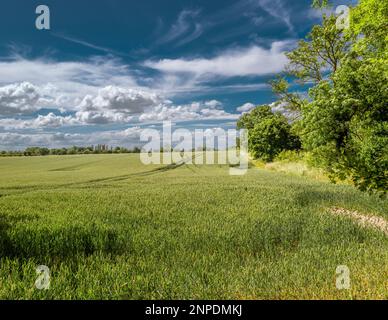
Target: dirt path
363, 220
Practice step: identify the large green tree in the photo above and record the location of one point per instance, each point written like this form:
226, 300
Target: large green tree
345, 124
344, 120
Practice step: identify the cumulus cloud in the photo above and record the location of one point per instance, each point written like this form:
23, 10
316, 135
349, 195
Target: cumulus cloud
50, 120
11, 140
246, 107
25, 97
127, 137
101, 117
53, 121
214, 104
253, 61
65, 84
196, 110
123, 100
18, 98
114, 104
207, 110
94, 92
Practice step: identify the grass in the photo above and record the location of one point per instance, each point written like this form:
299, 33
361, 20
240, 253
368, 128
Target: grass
300, 168
109, 227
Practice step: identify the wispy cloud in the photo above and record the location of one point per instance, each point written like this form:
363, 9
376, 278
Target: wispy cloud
184, 30
252, 61
88, 44
277, 9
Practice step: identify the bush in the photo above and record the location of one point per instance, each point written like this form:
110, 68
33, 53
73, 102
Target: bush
290, 155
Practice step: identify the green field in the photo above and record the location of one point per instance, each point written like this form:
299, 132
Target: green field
109, 227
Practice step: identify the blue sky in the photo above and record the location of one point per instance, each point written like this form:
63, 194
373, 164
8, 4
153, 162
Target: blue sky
107, 69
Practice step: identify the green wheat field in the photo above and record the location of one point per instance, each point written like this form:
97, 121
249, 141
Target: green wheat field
109, 227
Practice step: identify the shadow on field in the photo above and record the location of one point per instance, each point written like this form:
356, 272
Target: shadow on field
27, 236
75, 167
4, 239
23, 237
273, 236
6, 224
310, 197
137, 174
19, 190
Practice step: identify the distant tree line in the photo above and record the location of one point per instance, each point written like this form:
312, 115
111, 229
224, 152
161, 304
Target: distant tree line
41, 151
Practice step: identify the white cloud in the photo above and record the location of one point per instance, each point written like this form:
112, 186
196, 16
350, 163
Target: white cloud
99, 91
52, 121
127, 137
184, 30
64, 84
101, 117
163, 112
120, 105
207, 110
18, 98
41, 121
93, 72
123, 100
253, 61
10, 140
282, 108
196, 110
94, 92
213, 104
246, 107
214, 132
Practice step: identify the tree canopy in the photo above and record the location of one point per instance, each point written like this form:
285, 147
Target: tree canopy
345, 123
269, 133
342, 118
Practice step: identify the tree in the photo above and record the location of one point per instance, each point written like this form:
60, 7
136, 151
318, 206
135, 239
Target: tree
249, 120
345, 124
269, 133
36, 151
315, 59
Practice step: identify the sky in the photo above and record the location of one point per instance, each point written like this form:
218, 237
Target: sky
107, 69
